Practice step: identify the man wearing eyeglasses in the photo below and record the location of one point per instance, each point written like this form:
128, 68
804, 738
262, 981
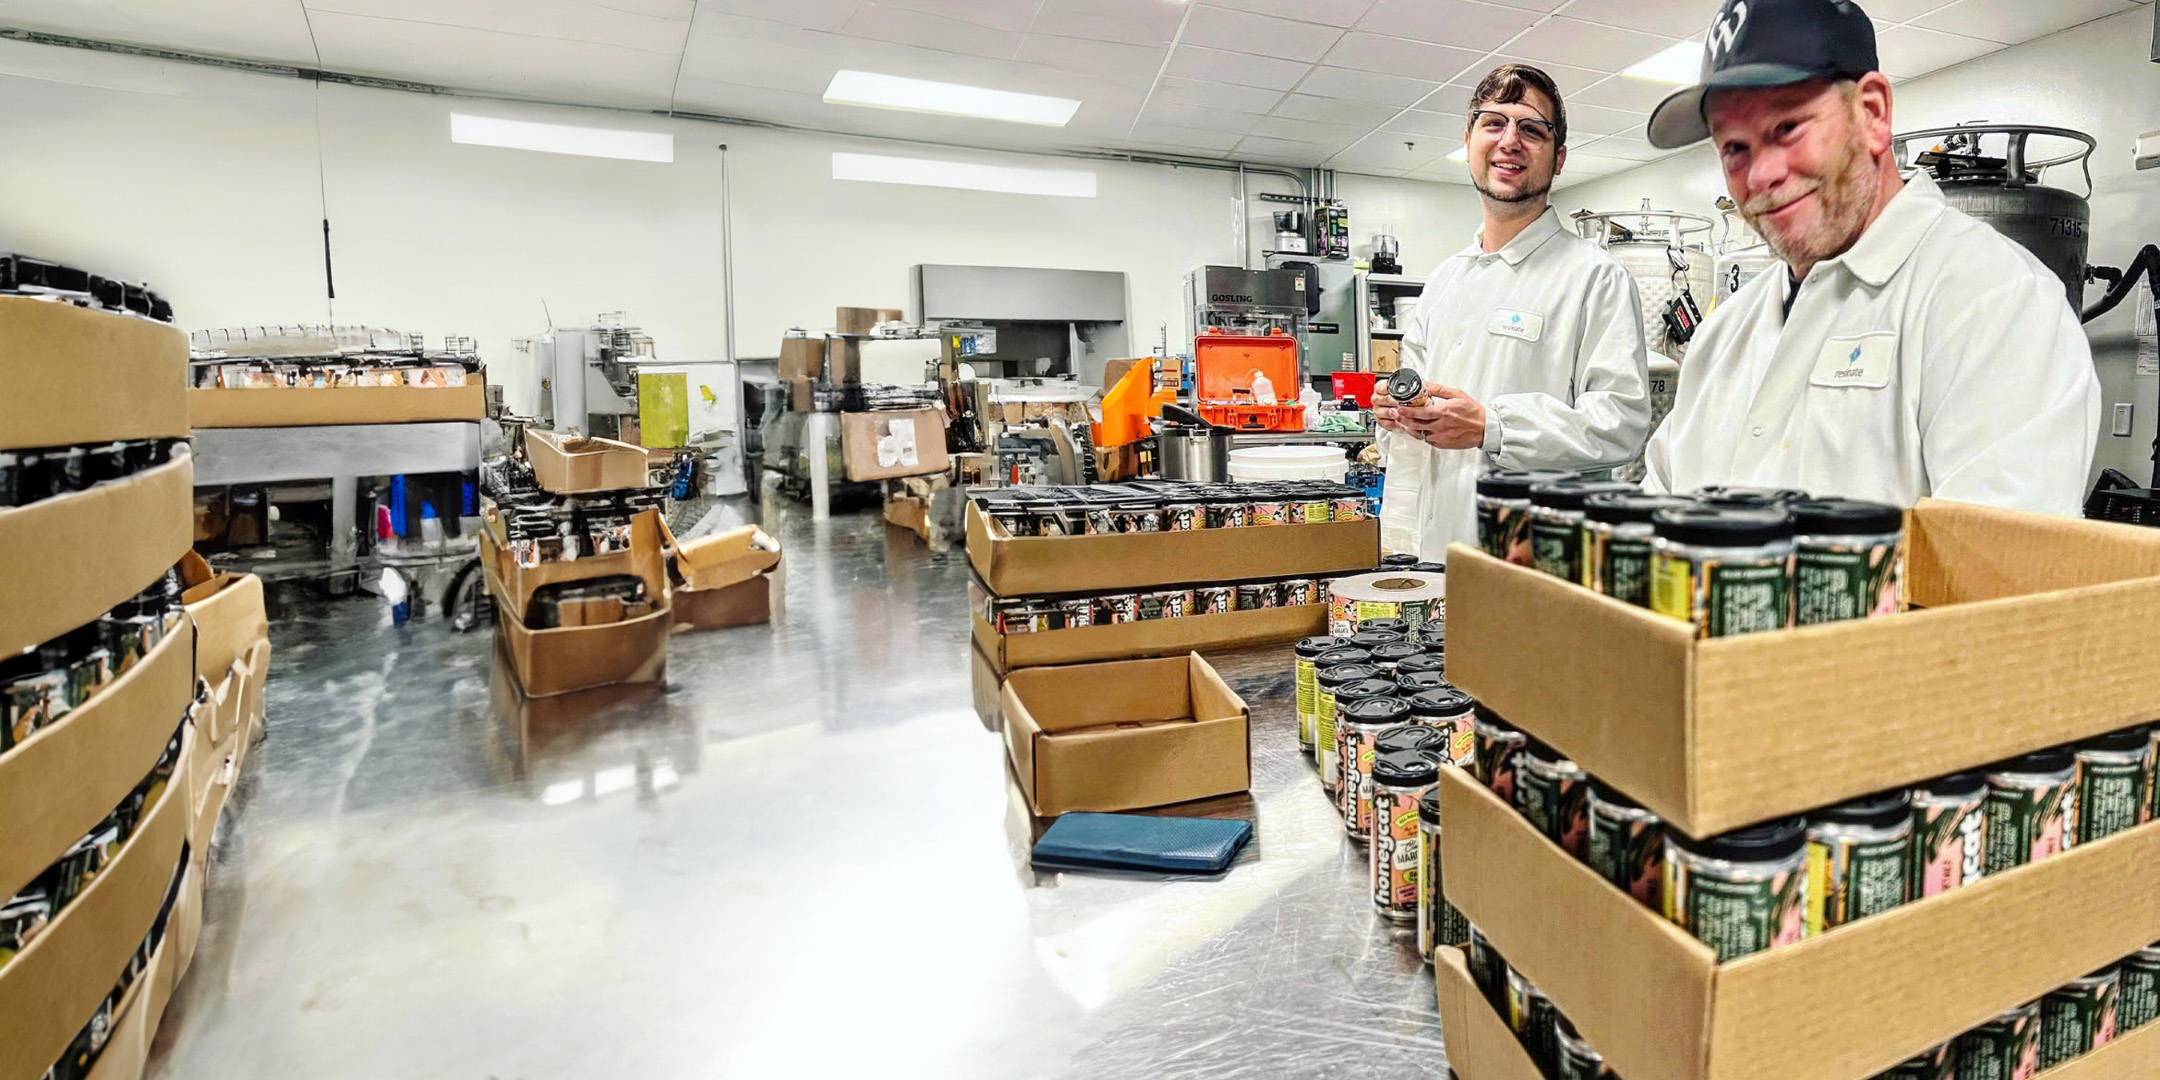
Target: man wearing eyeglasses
1908, 350
1529, 340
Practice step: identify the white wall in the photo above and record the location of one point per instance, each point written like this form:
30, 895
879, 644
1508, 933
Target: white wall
204, 183
2095, 78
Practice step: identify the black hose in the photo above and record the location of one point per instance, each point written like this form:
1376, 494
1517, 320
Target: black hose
2146, 263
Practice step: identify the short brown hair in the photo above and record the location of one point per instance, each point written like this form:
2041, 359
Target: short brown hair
1510, 83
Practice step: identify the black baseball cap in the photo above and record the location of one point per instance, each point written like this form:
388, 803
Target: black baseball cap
1764, 43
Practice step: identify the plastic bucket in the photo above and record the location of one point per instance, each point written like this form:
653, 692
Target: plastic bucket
1258, 464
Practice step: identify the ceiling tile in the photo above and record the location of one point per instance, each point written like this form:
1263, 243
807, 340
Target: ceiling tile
1399, 56
932, 32
826, 15
1133, 65
1387, 152
1672, 18
568, 20
1328, 12
2014, 22
1132, 22
1282, 151
272, 30
1196, 116
697, 94
1571, 80
1453, 100
1428, 124
1013, 15
1897, 11
1333, 110
753, 52
1531, 5
1589, 164
1447, 22
1337, 82
1249, 99
1265, 35
1593, 120
1173, 135
1622, 92
1625, 147
1586, 45
1908, 51
496, 63
1277, 127
1216, 65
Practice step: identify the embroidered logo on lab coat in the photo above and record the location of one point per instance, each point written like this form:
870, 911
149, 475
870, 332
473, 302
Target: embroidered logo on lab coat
1865, 361
1516, 324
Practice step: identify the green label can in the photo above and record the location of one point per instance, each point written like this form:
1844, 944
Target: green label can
1574, 1058
1949, 845
1503, 527
1488, 969
1494, 748
2137, 1002
1439, 922
2005, 1048
1623, 567
1939, 1063
1627, 846
1738, 907
2111, 793
1837, 578
2029, 810
2078, 1018
1539, 1034
1556, 543
1855, 871
1721, 597
1552, 793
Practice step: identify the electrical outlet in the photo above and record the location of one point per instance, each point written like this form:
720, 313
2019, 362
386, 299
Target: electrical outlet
2122, 418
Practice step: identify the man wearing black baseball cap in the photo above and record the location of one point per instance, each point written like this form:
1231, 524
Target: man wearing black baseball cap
1909, 350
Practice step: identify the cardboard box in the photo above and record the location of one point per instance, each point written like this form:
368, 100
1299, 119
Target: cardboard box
802, 359
1480, 1044
49, 990
79, 376
62, 781
136, 1018
986, 679
573, 465
2135, 1056
1655, 1002
517, 584
222, 748
909, 513
1386, 354
1151, 637
69, 559
311, 406
722, 559
802, 395
861, 320
230, 619
1125, 735
2022, 646
918, 448
745, 603
567, 658
1046, 565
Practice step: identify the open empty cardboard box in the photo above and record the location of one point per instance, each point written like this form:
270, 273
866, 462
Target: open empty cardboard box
1041, 565
1125, 735
70, 558
2027, 639
74, 375
573, 465
1845, 1005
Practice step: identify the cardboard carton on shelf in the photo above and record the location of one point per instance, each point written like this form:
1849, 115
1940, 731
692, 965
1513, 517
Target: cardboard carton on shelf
1655, 1001
1045, 565
1386, 354
67, 560
2023, 641
312, 406
861, 320
1480, 1044
1142, 638
1125, 735
884, 445
576, 465
73, 375
226, 730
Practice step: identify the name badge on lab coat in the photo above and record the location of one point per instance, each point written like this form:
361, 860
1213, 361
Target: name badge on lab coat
1516, 324
1856, 361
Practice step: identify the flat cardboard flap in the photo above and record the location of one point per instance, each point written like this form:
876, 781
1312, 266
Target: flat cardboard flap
1095, 695
1961, 553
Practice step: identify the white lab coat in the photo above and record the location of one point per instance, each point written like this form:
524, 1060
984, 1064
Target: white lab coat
1547, 334
1935, 357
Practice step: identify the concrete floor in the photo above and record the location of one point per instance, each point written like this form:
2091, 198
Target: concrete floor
801, 857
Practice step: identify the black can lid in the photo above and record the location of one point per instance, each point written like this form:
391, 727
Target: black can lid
2054, 759
1311, 648
1516, 483
1569, 494
1410, 737
1430, 568
1957, 785
1443, 700
1338, 675
1412, 683
1400, 558
1606, 793
1841, 517
1713, 526
1721, 495
1384, 626
1343, 655
1406, 768
1380, 706
1395, 652
1405, 384
1636, 507
1769, 841
2129, 739
1882, 810
1373, 639
1428, 804
1425, 662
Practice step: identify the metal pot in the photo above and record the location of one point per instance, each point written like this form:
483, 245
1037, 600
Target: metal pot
1187, 447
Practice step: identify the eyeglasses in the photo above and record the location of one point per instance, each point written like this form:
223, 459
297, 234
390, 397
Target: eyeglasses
1534, 130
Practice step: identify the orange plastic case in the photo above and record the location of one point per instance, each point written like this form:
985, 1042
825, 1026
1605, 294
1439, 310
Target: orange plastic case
1223, 367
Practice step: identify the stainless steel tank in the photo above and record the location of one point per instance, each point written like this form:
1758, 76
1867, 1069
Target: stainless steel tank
1737, 268
1662, 250
1986, 171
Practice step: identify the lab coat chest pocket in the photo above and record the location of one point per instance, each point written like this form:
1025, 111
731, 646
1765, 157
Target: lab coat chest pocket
1852, 400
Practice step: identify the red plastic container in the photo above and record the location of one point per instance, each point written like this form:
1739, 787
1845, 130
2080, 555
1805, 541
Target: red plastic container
1355, 386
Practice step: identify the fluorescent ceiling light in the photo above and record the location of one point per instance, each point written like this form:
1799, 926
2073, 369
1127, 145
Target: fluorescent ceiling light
949, 99
1679, 64
928, 172
562, 138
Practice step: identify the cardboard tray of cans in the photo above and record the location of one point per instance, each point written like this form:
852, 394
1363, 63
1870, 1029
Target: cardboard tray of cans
53, 986
72, 375
1480, 1044
645, 558
1847, 1004
68, 776
70, 558
310, 406
2021, 647
565, 658
1039, 565
1139, 637
2135, 1056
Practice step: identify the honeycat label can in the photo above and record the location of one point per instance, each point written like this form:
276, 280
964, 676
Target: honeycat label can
2112, 772
1739, 892
1859, 859
1949, 845
1439, 922
1359, 720
1627, 845
2137, 1001
1336, 669
1306, 654
2078, 1017
1726, 571
1551, 792
1450, 711
2031, 808
1939, 1063
1393, 860
2005, 1048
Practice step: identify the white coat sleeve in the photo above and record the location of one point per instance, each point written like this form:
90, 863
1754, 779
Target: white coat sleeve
1606, 423
2009, 410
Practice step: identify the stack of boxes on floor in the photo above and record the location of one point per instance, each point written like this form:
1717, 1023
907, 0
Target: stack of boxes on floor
1757, 831
1090, 606
130, 686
